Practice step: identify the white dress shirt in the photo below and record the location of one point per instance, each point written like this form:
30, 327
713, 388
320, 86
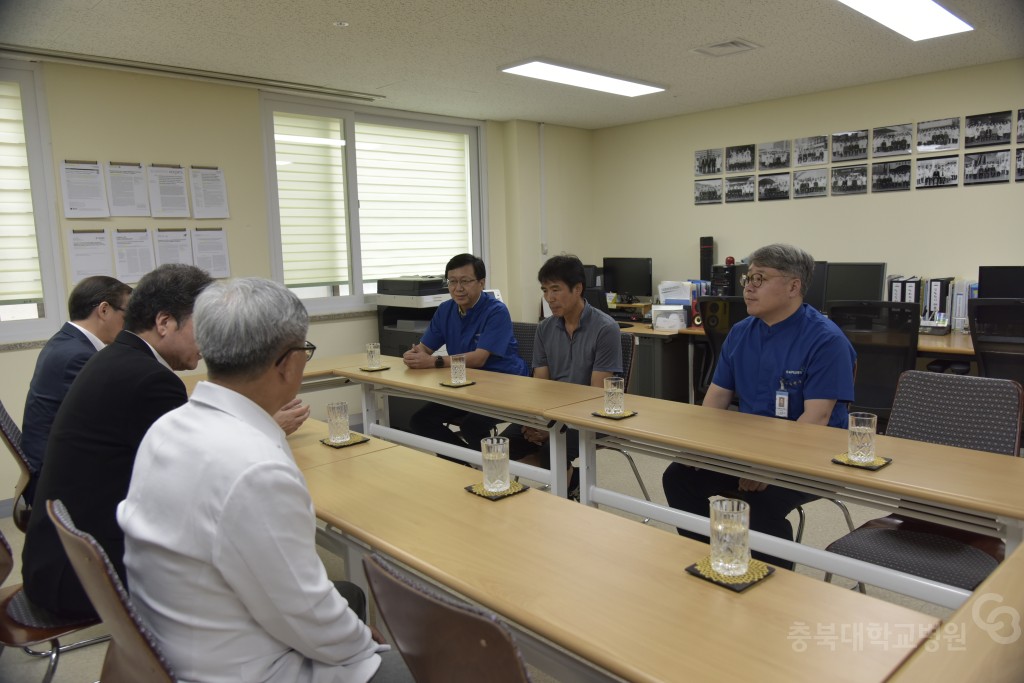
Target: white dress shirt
220, 552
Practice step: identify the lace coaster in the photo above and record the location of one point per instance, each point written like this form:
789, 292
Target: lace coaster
383, 367
354, 439
479, 490
878, 463
618, 416
756, 571
457, 386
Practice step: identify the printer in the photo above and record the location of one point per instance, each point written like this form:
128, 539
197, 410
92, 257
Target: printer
412, 291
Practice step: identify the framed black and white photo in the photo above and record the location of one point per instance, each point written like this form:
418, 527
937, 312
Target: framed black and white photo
773, 155
773, 186
1020, 164
891, 176
707, 161
707, 191
982, 130
987, 167
887, 141
849, 180
1020, 125
739, 189
850, 145
938, 135
938, 172
811, 151
739, 158
810, 183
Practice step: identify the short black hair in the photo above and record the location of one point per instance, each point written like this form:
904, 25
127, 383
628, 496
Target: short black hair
171, 288
94, 290
467, 260
563, 268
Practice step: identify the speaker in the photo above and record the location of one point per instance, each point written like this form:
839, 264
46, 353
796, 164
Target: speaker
707, 257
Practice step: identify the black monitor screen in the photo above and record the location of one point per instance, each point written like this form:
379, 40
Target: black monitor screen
1001, 282
633, 276
855, 282
816, 290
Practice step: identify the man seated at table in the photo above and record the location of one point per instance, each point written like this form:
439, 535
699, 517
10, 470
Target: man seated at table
577, 344
96, 308
786, 360
477, 325
219, 528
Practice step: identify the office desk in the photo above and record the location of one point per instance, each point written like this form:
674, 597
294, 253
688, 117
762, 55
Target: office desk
317, 375
310, 453
956, 344
610, 591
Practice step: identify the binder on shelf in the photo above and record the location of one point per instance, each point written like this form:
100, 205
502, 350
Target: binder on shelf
895, 287
940, 291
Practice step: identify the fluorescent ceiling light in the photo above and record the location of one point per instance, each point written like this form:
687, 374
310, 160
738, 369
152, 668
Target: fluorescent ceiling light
581, 79
915, 19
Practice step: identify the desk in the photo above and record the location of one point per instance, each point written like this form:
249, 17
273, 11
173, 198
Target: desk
317, 375
606, 589
310, 453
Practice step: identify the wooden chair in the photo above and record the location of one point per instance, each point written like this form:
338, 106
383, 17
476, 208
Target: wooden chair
441, 639
11, 436
133, 656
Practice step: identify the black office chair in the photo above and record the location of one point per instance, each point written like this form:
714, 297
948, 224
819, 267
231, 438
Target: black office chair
884, 335
997, 332
525, 333
718, 315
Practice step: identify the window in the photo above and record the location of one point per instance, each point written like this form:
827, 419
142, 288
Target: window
414, 183
29, 284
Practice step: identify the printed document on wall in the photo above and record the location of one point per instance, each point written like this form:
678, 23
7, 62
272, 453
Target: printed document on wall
89, 252
209, 192
173, 245
167, 193
133, 254
210, 251
127, 192
84, 194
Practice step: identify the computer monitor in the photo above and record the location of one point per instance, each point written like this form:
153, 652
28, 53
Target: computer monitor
1001, 282
855, 282
816, 290
632, 276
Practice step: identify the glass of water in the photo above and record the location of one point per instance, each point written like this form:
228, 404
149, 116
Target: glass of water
337, 422
458, 369
730, 536
861, 443
495, 456
614, 396
373, 355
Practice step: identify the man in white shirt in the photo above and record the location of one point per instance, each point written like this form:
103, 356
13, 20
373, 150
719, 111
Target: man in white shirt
219, 526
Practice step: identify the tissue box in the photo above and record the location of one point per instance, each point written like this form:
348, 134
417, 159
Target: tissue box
668, 317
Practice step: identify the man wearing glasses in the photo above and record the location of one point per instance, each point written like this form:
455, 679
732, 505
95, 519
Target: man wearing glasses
786, 360
472, 323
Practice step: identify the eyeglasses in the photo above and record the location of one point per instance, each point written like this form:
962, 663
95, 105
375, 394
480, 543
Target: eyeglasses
306, 346
757, 279
116, 308
455, 284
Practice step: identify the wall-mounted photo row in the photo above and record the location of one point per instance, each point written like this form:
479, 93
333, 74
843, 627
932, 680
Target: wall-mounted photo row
707, 161
739, 159
891, 176
982, 130
1020, 125
850, 145
740, 188
707, 191
938, 172
1020, 164
810, 183
773, 186
811, 151
938, 135
887, 141
773, 155
987, 167
849, 180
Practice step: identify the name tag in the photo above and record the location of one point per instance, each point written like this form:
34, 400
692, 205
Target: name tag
781, 404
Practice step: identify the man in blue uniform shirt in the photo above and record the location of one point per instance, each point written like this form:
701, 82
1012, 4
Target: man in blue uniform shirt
477, 325
786, 360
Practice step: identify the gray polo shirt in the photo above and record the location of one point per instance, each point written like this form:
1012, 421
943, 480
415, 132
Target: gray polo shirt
596, 346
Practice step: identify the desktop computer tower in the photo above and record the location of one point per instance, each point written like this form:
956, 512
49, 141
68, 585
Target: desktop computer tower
707, 257
726, 280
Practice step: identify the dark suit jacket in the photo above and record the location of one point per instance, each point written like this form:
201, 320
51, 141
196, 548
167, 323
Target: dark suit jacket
58, 364
119, 393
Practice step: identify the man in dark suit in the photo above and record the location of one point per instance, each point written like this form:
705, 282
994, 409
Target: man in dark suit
96, 308
119, 393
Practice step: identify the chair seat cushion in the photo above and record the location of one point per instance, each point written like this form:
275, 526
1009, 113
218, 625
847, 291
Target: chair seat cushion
927, 555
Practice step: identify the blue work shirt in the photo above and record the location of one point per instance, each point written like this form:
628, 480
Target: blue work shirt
805, 355
487, 325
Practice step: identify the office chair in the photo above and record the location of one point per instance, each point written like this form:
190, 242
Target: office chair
979, 413
442, 640
133, 655
718, 315
11, 436
997, 332
525, 333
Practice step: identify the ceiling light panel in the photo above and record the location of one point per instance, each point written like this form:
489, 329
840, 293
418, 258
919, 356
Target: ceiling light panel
915, 19
581, 79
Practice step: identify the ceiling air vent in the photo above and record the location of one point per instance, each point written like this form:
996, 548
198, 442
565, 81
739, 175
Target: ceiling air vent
728, 47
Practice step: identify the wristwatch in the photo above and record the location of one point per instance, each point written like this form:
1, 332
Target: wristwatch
438, 361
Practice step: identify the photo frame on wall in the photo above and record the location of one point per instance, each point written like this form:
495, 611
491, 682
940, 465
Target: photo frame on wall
811, 151
935, 172
707, 191
773, 186
707, 161
773, 155
849, 180
887, 141
891, 176
982, 130
739, 188
739, 159
987, 167
850, 145
810, 183
1020, 164
938, 135
1020, 125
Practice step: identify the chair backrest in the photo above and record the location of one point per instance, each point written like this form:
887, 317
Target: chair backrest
441, 639
884, 335
980, 413
525, 333
11, 436
628, 346
133, 655
6, 558
997, 332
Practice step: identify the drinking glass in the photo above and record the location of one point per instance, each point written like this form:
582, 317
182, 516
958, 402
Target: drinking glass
614, 396
861, 443
337, 422
458, 369
373, 355
730, 541
495, 457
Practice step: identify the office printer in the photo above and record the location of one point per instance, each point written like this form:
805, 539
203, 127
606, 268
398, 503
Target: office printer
412, 291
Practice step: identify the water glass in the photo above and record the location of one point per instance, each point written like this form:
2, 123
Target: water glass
614, 396
730, 536
337, 422
861, 444
495, 456
373, 355
458, 369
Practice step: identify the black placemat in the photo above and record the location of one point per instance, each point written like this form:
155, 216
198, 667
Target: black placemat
383, 367
757, 572
620, 416
878, 463
514, 488
354, 439
457, 386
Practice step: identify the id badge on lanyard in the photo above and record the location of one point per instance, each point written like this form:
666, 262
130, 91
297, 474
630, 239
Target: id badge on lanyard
782, 401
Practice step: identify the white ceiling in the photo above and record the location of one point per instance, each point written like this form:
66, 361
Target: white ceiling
443, 56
